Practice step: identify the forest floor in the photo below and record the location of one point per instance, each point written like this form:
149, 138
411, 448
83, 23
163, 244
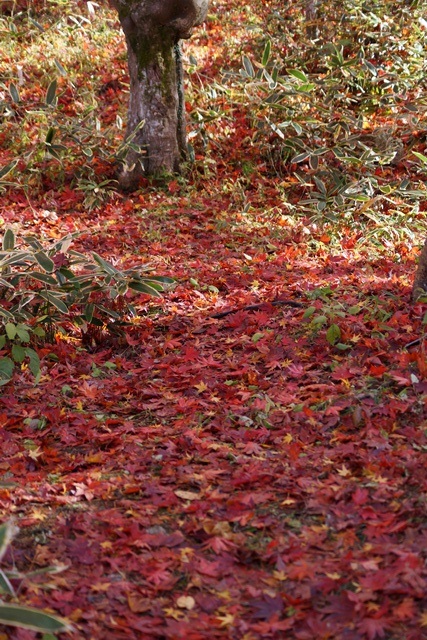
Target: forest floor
260, 475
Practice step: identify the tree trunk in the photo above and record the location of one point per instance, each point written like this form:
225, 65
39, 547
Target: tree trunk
156, 126
420, 281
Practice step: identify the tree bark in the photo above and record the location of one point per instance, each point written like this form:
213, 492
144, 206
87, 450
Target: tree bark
156, 126
420, 281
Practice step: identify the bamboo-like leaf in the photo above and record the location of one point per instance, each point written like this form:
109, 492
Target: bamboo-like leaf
14, 93
8, 240
51, 93
5, 585
144, 288
298, 74
248, 66
266, 53
44, 261
57, 302
7, 169
29, 618
108, 268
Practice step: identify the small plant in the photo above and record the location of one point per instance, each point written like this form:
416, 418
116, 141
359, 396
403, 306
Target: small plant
44, 290
17, 615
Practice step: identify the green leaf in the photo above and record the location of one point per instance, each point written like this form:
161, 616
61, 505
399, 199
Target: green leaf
144, 288
51, 93
42, 277
8, 168
18, 353
2, 341
10, 330
44, 261
27, 618
309, 312
6, 370
257, 337
421, 157
14, 93
57, 302
297, 73
106, 266
8, 240
88, 311
22, 331
266, 53
5, 585
333, 334
50, 135
248, 67
34, 364
37, 25
60, 68
301, 157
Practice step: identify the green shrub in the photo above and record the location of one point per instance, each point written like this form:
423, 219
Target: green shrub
49, 288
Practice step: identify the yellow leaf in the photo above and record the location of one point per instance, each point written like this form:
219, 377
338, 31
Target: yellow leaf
200, 387
176, 614
38, 515
101, 586
226, 620
344, 472
423, 619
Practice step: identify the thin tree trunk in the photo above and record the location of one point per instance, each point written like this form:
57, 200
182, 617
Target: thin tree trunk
155, 134
153, 105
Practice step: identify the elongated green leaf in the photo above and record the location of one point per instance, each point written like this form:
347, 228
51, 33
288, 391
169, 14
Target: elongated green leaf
50, 135
5, 585
16, 257
108, 268
14, 93
8, 168
8, 240
42, 277
152, 283
60, 68
301, 157
248, 66
57, 302
144, 288
28, 618
421, 157
266, 53
51, 93
44, 261
297, 73
162, 279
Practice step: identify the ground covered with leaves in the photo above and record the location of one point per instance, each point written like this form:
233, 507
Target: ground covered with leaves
258, 475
